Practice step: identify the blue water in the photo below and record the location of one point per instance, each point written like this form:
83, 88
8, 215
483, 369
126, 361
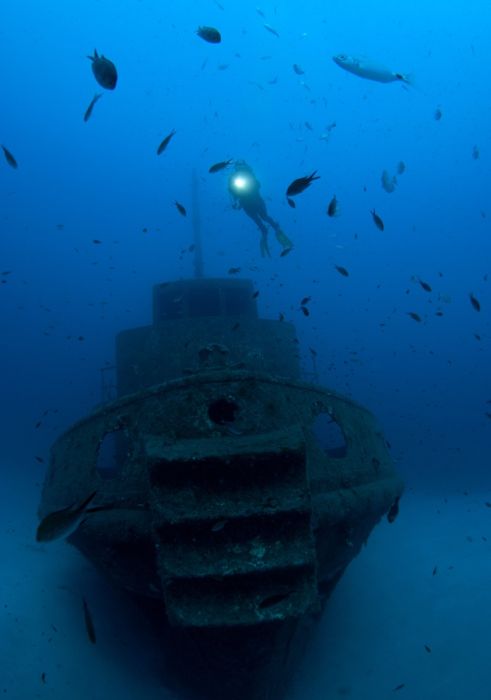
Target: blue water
65, 297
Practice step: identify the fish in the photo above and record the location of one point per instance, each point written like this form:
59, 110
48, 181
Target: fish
332, 207
291, 202
377, 220
209, 34
301, 184
180, 208
298, 69
256, 294
220, 166
393, 510
234, 270
475, 153
424, 285
89, 109
414, 316
401, 167
9, 158
364, 68
475, 302
89, 624
273, 600
271, 30
62, 522
104, 71
427, 648
286, 250
305, 311
437, 114
219, 525
165, 142
399, 687
342, 270
305, 300
389, 182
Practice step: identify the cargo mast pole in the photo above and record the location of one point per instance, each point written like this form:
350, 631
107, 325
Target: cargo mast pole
198, 251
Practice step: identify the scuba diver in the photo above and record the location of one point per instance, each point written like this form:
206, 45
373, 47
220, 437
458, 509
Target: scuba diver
244, 188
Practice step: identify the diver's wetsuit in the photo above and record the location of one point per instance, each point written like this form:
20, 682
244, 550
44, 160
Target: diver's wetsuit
255, 207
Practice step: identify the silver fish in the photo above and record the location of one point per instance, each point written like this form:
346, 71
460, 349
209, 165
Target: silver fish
370, 70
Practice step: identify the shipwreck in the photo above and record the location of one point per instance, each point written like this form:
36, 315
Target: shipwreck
239, 492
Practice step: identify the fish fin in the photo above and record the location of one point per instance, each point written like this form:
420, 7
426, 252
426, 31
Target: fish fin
407, 78
85, 503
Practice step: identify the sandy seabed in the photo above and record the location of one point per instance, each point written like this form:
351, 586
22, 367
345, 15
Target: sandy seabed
409, 620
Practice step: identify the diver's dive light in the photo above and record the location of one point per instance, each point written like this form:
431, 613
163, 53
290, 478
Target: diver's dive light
241, 182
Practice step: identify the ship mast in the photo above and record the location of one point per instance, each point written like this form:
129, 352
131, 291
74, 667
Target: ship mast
198, 250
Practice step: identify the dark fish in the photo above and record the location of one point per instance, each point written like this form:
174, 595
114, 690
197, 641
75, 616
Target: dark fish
389, 183
301, 184
475, 153
427, 648
165, 142
305, 300
256, 294
437, 114
399, 687
425, 285
96, 241
220, 166
435, 571
89, 109
180, 208
475, 303
39, 459
377, 220
273, 600
342, 270
414, 316
104, 71
209, 34
291, 202
9, 158
286, 250
401, 167
61, 522
89, 624
298, 70
305, 311
393, 510
332, 207
271, 30
234, 270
